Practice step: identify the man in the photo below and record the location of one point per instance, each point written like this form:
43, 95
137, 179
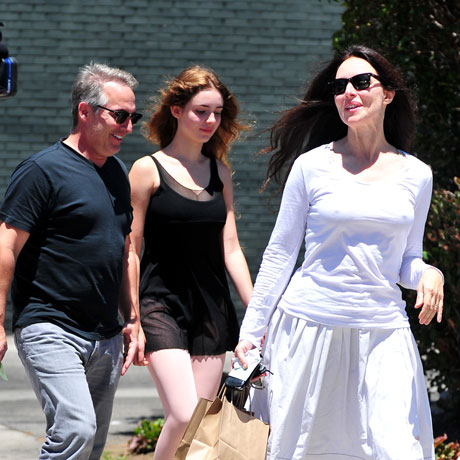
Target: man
65, 250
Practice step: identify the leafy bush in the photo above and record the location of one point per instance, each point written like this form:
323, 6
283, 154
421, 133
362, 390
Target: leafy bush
450, 450
146, 436
109, 456
440, 343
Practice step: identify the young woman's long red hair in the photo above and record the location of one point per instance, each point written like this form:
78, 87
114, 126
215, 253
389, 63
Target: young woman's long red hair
162, 126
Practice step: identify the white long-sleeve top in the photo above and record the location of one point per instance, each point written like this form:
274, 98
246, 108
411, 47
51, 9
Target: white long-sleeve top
361, 240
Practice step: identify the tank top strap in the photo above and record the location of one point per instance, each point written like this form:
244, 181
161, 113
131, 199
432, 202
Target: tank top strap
215, 184
158, 165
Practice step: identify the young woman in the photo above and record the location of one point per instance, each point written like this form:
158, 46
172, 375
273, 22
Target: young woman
347, 378
183, 212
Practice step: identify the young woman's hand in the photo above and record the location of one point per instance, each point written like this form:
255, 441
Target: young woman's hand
141, 359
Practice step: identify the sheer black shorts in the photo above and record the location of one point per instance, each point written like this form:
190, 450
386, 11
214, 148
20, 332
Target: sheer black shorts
166, 329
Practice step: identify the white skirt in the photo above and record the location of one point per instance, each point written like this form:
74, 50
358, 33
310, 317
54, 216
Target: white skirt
341, 393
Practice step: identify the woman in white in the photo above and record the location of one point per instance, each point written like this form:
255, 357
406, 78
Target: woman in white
347, 378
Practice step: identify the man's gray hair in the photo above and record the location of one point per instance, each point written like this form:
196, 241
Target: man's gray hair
88, 85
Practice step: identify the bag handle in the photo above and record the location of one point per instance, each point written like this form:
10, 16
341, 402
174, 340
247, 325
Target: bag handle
234, 396
221, 392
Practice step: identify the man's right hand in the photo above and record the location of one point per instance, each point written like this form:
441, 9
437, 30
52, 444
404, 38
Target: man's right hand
12, 241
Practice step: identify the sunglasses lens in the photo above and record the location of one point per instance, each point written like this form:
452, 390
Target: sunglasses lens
135, 117
339, 85
362, 81
121, 116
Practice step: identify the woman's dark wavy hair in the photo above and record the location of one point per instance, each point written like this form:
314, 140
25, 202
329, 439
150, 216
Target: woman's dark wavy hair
315, 120
162, 126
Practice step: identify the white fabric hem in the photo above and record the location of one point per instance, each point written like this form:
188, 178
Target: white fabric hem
358, 392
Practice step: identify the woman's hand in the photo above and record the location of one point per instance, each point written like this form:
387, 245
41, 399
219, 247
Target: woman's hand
241, 349
141, 359
430, 296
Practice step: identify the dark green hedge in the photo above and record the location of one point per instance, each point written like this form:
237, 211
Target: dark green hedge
439, 344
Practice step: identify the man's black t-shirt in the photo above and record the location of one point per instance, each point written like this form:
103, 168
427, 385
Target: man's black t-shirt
78, 216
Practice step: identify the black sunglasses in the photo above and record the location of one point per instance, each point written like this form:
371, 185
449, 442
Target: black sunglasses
121, 115
359, 82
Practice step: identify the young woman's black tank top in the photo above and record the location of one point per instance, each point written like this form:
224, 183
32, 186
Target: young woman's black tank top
183, 265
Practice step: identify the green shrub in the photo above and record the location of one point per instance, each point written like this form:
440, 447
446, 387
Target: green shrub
450, 450
109, 456
440, 343
145, 436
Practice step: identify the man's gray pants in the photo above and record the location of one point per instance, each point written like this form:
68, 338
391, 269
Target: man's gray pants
75, 381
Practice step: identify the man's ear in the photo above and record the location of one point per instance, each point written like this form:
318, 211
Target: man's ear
176, 111
84, 110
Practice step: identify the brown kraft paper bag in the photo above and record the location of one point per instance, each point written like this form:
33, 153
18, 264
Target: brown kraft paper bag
220, 431
201, 408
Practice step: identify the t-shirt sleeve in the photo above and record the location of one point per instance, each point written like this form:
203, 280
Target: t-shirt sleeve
413, 266
279, 258
27, 197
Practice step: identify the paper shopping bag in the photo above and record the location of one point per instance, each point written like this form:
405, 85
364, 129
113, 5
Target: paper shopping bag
227, 433
241, 435
201, 408
204, 442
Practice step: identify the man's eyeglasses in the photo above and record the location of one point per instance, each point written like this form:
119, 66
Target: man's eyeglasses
359, 82
121, 115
